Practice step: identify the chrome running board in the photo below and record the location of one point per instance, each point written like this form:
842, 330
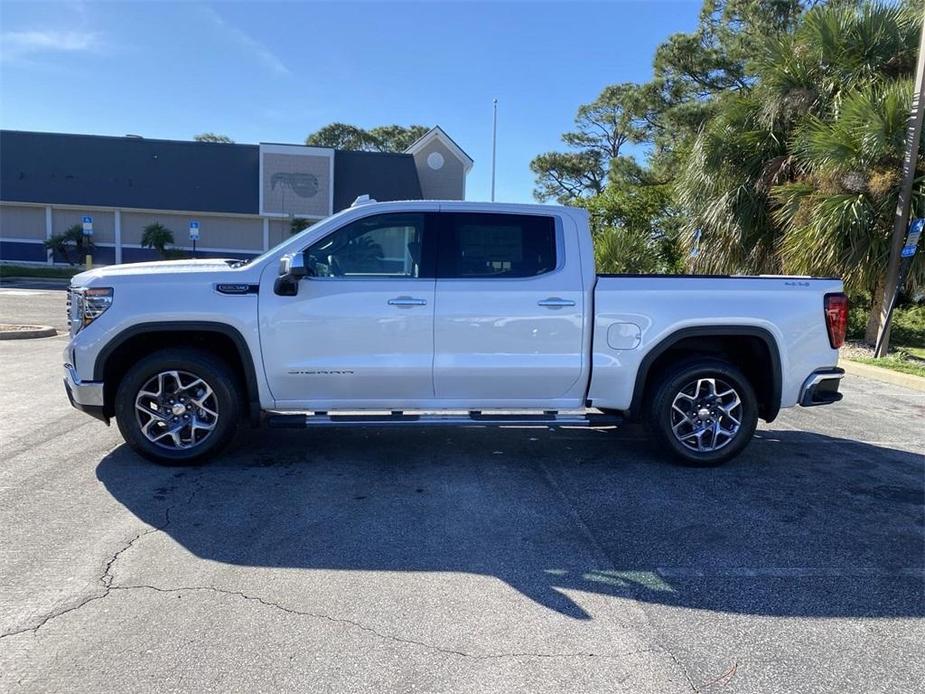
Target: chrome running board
478, 418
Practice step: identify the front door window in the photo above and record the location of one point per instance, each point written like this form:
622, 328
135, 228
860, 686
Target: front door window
374, 247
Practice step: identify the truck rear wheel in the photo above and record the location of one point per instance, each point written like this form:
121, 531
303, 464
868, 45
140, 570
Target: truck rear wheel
178, 406
704, 411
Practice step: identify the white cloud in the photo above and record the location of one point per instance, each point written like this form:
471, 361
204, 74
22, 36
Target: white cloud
16, 44
263, 54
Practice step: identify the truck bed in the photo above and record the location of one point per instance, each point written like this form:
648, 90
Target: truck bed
635, 314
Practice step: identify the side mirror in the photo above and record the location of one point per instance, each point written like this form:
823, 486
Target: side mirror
292, 268
293, 265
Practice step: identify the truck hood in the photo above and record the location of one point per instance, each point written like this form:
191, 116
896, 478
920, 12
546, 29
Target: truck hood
162, 267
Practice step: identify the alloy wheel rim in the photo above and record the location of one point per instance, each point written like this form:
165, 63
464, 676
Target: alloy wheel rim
706, 415
176, 410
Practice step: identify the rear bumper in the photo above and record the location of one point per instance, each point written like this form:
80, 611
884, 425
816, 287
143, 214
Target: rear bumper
84, 395
821, 388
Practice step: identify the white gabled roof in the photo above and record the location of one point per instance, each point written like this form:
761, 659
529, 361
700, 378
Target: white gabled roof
440, 134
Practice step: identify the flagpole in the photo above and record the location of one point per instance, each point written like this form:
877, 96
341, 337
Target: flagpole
494, 143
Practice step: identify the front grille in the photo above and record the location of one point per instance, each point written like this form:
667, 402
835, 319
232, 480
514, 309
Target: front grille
74, 310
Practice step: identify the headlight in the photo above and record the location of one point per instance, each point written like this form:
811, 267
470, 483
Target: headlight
91, 303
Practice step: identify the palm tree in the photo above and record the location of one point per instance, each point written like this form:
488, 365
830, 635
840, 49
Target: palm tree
799, 172
297, 224
73, 237
158, 237
724, 189
838, 215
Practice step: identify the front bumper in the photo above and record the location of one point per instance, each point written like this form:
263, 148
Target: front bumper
86, 396
821, 388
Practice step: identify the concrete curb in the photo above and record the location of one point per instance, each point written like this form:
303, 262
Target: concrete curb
14, 281
32, 332
880, 374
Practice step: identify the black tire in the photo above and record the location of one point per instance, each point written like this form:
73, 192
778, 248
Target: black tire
681, 381
213, 371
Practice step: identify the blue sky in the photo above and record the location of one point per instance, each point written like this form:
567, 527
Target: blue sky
274, 72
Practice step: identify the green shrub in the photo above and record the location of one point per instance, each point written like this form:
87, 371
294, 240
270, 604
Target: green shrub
909, 325
857, 322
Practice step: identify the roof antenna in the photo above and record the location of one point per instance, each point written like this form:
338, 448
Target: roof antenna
362, 200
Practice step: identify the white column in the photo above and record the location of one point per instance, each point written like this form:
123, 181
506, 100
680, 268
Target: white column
266, 234
49, 256
118, 230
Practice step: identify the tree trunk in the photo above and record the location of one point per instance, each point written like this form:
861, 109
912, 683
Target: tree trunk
876, 306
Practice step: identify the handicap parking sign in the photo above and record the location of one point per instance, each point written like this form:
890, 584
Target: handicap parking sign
912, 238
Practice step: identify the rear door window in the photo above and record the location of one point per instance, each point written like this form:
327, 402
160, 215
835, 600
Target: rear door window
478, 245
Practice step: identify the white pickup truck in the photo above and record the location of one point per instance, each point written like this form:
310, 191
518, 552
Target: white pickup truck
449, 313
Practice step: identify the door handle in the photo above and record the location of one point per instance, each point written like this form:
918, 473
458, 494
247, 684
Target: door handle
555, 302
407, 301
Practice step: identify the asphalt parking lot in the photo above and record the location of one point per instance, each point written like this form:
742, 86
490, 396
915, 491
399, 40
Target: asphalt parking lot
457, 560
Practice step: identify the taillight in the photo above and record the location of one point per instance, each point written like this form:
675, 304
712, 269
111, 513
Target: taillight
836, 318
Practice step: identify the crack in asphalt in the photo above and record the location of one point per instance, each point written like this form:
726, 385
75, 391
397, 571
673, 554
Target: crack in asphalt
107, 586
681, 666
105, 579
54, 615
320, 616
341, 621
316, 615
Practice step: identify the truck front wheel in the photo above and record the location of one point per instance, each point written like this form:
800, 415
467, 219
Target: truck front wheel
704, 411
178, 406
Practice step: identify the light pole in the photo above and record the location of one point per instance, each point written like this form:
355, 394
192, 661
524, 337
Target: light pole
494, 143
901, 222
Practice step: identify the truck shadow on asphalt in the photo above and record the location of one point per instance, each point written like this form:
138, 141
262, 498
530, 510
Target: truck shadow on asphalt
801, 525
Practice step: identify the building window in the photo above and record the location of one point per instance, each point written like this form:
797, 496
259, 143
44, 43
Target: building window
435, 161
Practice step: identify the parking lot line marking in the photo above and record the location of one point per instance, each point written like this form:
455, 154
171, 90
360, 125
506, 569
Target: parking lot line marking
790, 572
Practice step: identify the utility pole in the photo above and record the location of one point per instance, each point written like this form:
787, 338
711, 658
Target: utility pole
913, 135
494, 143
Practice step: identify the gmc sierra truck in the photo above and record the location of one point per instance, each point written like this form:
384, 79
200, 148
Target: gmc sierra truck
447, 313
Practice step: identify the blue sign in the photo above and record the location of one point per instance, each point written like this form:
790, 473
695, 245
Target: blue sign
912, 238
194, 231
87, 219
